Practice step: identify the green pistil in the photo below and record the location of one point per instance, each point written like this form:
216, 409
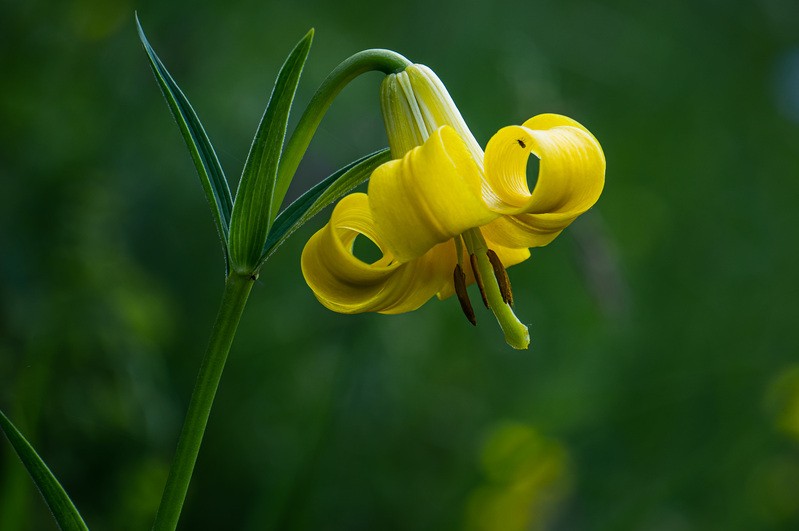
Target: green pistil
516, 334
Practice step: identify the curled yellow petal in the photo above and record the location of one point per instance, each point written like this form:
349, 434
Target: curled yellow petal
430, 195
570, 179
345, 284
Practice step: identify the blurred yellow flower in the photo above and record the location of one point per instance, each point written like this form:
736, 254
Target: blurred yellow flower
442, 204
526, 477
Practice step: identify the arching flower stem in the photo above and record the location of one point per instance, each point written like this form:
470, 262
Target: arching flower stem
380, 60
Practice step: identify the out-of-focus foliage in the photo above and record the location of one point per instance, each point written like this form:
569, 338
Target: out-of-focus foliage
661, 388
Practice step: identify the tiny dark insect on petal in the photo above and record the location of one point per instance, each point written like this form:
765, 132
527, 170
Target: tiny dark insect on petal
521, 143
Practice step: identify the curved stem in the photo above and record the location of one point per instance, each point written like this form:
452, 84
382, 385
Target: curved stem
237, 290
384, 61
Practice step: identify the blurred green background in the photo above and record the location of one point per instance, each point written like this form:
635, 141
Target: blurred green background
661, 391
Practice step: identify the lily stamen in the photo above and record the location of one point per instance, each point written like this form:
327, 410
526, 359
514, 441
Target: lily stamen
501, 275
478, 278
459, 280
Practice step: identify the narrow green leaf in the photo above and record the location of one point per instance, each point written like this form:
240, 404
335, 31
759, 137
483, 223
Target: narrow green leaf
314, 200
212, 178
252, 211
64, 511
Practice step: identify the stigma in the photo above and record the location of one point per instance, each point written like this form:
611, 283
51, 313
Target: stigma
493, 282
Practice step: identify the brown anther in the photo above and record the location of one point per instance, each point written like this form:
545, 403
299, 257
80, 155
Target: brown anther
478, 279
459, 280
510, 290
502, 277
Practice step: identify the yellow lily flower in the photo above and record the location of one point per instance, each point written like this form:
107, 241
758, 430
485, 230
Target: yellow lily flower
443, 203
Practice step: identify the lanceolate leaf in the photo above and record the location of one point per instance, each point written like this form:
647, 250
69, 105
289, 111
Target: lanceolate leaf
314, 200
212, 178
64, 511
252, 210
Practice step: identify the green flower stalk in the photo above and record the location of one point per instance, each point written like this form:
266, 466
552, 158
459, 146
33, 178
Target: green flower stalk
249, 225
237, 290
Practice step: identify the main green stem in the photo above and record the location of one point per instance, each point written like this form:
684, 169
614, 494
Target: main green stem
237, 290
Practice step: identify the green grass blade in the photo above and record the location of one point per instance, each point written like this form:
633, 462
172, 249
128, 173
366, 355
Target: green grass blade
314, 200
64, 511
212, 177
252, 211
